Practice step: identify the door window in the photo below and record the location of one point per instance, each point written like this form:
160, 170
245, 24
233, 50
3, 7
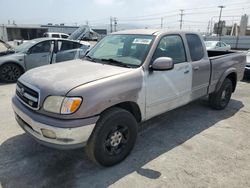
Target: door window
195, 47
223, 44
171, 46
68, 45
42, 47
64, 36
55, 36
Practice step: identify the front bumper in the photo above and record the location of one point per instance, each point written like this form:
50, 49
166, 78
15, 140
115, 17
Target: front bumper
71, 133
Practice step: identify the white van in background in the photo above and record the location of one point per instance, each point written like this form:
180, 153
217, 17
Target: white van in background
55, 35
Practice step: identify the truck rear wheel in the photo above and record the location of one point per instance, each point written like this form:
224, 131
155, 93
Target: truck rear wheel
113, 138
220, 99
10, 72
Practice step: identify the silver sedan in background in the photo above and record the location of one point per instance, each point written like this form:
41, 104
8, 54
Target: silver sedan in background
38, 52
217, 45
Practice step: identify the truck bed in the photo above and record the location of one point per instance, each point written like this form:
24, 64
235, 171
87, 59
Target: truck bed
223, 60
215, 54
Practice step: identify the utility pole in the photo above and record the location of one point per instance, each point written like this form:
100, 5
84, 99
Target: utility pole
219, 28
111, 24
115, 24
161, 23
181, 20
208, 27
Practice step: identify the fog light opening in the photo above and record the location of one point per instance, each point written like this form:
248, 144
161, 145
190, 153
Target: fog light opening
48, 133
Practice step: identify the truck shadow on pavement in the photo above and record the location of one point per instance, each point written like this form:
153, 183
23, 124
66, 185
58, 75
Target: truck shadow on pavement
25, 163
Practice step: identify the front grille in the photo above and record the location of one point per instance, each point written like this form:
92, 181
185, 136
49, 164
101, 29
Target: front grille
29, 96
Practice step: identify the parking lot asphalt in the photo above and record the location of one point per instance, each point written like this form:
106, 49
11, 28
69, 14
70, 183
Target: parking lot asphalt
192, 146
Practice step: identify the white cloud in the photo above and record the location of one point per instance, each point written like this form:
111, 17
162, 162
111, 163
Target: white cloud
104, 2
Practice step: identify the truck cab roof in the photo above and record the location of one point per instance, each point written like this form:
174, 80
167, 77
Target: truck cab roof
152, 32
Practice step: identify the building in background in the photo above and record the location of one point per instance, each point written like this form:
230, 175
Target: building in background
233, 30
11, 32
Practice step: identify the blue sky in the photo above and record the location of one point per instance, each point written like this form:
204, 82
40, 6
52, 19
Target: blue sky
134, 12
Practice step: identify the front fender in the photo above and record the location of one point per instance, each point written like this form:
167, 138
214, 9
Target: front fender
15, 59
105, 93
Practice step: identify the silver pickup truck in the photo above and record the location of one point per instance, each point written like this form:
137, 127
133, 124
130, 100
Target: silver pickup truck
127, 78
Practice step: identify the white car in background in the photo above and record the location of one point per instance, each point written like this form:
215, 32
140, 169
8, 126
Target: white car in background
217, 45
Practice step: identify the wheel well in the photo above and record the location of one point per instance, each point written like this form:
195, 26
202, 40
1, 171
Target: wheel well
233, 78
10, 62
133, 108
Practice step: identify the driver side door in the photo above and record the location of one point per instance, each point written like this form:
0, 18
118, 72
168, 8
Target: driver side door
39, 55
168, 89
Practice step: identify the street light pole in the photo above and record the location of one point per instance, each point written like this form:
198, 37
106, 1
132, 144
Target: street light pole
219, 29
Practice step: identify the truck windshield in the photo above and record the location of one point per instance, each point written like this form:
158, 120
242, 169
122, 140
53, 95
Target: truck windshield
129, 50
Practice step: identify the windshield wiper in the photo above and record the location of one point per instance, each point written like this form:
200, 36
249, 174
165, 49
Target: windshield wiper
116, 62
90, 58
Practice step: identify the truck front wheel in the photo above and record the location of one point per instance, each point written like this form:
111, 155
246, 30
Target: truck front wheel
113, 138
220, 99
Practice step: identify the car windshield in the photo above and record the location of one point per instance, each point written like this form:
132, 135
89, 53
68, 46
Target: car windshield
25, 46
210, 43
129, 50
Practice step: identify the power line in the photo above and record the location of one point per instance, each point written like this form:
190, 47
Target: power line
146, 19
186, 9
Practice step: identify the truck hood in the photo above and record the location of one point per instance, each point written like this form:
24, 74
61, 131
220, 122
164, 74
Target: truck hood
59, 79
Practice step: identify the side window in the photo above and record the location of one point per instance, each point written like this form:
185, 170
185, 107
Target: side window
218, 44
64, 36
67, 45
55, 36
171, 46
195, 47
41, 47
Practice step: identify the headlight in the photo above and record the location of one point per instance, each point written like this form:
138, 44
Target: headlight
63, 105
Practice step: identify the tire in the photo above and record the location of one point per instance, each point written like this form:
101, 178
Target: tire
9, 72
113, 138
220, 99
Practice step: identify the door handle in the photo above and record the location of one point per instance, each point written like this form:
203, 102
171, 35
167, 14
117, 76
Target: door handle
196, 68
187, 71
44, 56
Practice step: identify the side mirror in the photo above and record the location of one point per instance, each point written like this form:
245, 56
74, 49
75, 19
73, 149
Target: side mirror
162, 63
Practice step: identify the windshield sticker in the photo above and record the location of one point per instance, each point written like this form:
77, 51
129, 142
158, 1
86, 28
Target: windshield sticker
141, 41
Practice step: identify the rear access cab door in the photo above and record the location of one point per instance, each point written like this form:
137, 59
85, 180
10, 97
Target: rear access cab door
200, 65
